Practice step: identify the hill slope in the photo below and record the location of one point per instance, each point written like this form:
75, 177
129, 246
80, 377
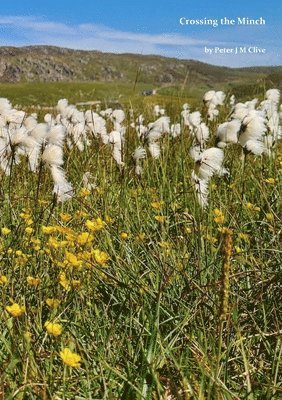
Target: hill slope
52, 64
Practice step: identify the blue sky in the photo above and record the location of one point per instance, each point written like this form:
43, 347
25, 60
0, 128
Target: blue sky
146, 27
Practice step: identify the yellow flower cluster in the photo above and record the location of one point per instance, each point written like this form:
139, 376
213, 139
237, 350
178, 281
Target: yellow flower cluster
95, 224
160, 218
16, 310
3, 280
70, 358
218, 216
252, 207
53, 328
33, 281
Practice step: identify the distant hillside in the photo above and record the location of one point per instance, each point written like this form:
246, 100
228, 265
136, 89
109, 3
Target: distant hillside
53, 64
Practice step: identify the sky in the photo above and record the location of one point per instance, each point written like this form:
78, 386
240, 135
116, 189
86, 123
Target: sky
150, 27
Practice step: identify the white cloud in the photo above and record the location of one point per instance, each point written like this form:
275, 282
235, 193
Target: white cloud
35, 24
29, 30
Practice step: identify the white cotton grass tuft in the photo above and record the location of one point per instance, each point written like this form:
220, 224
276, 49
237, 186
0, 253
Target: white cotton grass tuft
272, 117
56, 135
53, 155
240, 111
15, 117
30, 123
212, 100
209, 163
118, 116
154, 149
39, 132
175, 130
156, 130
232, 100
5, 106
48, 118
195, 119
273, 95
252, 129
185, 114
158, 111
255, 147
195, 152
251, 104
97, 126
201, 189
228, 132
138, 155
202, 134
62, 188
19, 137
116, 140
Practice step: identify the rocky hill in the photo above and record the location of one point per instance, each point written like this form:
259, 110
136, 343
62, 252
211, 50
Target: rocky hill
53, 64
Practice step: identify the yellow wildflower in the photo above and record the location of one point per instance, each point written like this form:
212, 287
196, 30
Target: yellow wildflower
71, 259
34, 240
69, 358
101, 257
84, 238
225, 230
25, 214
3, 279
252, 207
5, 231
108, 219
84, 192
80, 214
65, 217
29, 230
99, 191
95, 225
29, 221
63, 281
53, 242
33, 281
270, 180
124, 235
15, 310
157, 205
269, 216
52, 328
21, 258
48, 230
218, 216
53, 303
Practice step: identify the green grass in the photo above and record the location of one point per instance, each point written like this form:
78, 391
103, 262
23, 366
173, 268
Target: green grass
47, 94
146, 324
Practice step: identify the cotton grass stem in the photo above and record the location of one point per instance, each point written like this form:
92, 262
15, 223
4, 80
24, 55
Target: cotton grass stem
227, 253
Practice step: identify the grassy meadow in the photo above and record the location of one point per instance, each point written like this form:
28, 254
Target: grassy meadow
153, 296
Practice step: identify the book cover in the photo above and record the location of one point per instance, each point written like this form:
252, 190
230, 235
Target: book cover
140, 181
